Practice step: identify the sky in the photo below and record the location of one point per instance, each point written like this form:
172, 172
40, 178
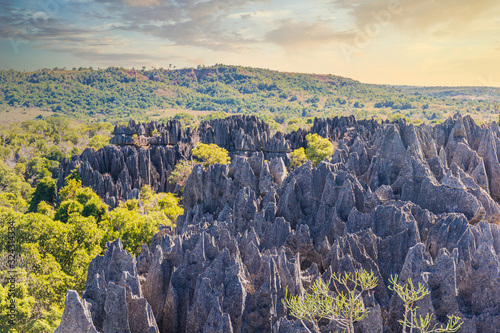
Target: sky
412, 42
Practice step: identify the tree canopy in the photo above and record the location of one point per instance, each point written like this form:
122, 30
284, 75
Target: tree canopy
209, 154
55, 244
45, 191
318, 148
298, 157
118, 93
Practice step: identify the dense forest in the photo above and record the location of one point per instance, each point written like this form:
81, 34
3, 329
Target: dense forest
115, 94
58, 234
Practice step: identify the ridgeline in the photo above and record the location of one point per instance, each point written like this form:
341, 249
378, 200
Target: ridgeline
116, 94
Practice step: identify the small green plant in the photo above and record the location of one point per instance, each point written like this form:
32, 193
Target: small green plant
345, 308
410, 295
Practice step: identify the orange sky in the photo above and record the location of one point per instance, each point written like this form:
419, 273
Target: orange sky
414, 42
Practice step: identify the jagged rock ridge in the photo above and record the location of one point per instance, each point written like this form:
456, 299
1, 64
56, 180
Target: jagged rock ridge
146, 153
420, 202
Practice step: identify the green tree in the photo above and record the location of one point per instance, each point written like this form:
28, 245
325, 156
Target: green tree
11, 200
12, 183
74, 174
298, 157
37, 169
295, 124
57, 127
209, 154
273, 125
22, 305
206, 154
46, 209
45, 191
318, 148
20, 169
76, 199
168, 203
181, 173
213, 115
147, 197
185, 118
52, 258
136, 222
68, 208
99, 141
54, 154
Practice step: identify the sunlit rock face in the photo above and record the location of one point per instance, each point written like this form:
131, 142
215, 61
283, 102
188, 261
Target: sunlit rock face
417, 201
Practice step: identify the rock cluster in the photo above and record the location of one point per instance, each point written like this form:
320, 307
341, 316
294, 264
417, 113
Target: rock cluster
420, 202
146, 153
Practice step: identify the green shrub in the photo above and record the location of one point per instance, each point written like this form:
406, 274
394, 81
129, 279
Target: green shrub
345, 308
410, 295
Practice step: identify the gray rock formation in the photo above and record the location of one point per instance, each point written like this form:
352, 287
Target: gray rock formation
420, 202
114, 292
146, 153
76, 316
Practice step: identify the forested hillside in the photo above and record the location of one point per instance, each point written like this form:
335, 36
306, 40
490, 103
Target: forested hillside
52, 235
116, 93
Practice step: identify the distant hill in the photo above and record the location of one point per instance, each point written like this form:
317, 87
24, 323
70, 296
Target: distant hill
114, 94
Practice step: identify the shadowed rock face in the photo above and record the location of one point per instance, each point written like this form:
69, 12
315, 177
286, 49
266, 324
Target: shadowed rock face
419, 202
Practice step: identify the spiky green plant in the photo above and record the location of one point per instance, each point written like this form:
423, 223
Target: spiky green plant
410, 295
344, 308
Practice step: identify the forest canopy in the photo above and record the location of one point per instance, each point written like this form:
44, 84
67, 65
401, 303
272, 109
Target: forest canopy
115, 94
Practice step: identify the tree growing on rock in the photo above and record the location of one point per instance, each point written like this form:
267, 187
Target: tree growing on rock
181, 173
345, 308
205, 154
209, 154
318, 148
298, 157
410, 295
136, 221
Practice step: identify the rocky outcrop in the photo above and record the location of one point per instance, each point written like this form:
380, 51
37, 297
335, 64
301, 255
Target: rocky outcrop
76, 316
146, 153
114, 292
418, 202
